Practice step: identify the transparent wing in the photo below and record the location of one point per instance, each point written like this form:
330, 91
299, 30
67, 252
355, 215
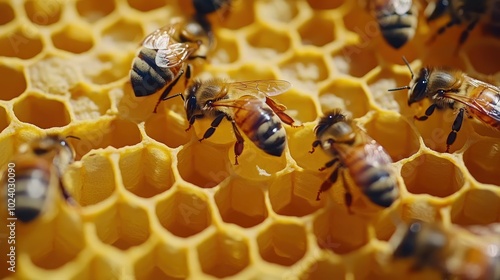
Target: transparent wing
259, 88
247, 102
375, 154
483, 106
174, 55
160, 38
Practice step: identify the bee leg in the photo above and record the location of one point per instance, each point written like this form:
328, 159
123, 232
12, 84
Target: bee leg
347, 195
428, 113
328, 183
279, 109
215, 123
329, 164
314, 145
442, 29
457, 124
238, 146
465, 34
168, 89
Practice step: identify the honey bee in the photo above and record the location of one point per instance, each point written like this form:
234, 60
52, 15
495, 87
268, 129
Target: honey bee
368, 162
469, 13
247, 105
39, 166
163, 57
456, 252
397, 20
453, 89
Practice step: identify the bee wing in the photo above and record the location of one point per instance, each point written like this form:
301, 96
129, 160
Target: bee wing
260, 88
477, 104
160, 38
174, 55
247, 102
389, 7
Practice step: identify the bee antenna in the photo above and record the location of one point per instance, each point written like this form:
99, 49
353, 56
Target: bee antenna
409, 67
74, 137
399, 88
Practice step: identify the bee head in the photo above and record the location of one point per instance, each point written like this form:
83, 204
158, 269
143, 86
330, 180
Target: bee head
55, 148
418, 90
198, 30
335, 126
204, 7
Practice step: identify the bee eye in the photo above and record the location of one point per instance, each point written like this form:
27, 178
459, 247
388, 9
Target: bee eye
191, 103
419, 89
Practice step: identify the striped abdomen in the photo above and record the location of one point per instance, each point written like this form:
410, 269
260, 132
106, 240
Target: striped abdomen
260, 124
32, 187
369, 166
148, 78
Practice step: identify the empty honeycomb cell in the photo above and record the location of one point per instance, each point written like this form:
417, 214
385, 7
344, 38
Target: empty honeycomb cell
359, 20
294, 194
32, 109
203, 165
93, 10
301, 107
354, 60
226, 51
123, 226
88, 104
145, 6
324, 269
57, 243
484, 130
305, 70
167, 129
479, 55
122, 31
345, 94
394, 134
4, 119
250, 72
476, 207
481, 159
13, 82
73, 38
312, 35
147, 172
267, 43
163, 262
184, 214
324, 5
435, 130
386, 79
223, 255
242, 203
103, 133
441, 56
340, 232
107, 67
43, 13
282, 243
21, 44
447, 178
7, 13
281, 11
95, 170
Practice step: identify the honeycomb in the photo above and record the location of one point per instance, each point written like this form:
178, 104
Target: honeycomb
155, 203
